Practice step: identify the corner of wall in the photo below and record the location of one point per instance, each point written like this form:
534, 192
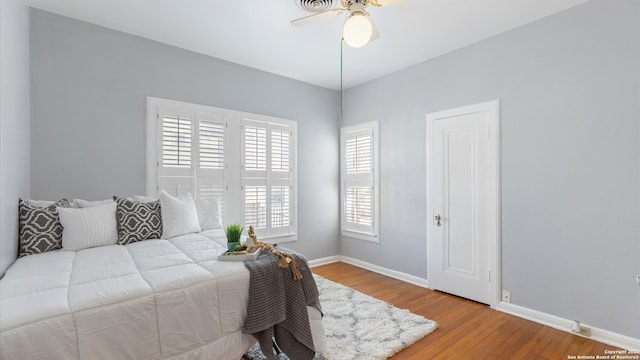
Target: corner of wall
14, 122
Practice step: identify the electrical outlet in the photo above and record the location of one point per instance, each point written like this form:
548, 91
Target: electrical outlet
578, 328
506, 296
584, 331
638, 279
575, 326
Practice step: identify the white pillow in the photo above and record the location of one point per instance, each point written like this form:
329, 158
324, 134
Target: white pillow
88, 227
179, 215
209, 215
45, 203
40, 203
144, 199
79, 203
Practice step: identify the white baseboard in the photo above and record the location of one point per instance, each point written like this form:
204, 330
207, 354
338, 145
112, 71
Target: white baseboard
324, 261
556, 322
411, 279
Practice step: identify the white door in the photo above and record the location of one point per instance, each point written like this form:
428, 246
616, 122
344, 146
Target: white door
462, 201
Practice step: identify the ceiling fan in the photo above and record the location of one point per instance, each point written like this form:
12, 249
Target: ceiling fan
359, 28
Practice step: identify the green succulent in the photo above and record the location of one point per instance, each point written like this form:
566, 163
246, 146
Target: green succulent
234, 232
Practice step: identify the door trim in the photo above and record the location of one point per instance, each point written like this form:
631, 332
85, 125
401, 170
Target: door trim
495, 275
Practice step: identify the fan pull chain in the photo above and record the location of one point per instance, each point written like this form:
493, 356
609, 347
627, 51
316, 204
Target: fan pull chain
341, 92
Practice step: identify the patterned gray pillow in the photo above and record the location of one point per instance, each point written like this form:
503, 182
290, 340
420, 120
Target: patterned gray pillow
138, 221
40, 229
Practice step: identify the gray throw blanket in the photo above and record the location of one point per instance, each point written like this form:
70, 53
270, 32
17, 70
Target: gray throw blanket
277, 307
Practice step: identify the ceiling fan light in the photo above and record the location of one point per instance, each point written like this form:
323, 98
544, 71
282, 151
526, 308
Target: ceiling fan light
357, 30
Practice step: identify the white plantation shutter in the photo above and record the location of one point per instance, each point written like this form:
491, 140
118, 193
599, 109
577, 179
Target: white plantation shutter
279, 150
246, 161
280, 206
359, 153
255, 206
254, 175
211, 168
358, 205
267, 178
211, 144
280, 180
176, 141
210, 192
359, 181
176, 171
359, 168
192, 157
255, 148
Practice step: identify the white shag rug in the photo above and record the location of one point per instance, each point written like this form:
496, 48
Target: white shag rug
360, 327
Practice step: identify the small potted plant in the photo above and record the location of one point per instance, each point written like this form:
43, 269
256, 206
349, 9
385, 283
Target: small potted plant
233, 232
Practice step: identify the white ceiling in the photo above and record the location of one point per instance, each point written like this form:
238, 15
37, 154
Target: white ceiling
257, 33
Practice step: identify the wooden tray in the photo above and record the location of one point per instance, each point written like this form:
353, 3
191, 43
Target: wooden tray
240, 255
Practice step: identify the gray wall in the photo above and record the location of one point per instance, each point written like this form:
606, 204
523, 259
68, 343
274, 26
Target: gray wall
570, 94
14, 122
569, 89
88, 104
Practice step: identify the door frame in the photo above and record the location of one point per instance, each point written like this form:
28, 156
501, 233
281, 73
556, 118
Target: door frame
494, 248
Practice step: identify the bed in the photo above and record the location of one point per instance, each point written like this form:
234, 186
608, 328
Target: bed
153, 299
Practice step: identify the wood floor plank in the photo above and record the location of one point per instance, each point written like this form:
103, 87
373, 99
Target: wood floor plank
467, 329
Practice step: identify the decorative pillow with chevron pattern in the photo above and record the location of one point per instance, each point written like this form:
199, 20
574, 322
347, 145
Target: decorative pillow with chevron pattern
138, 221
40, 228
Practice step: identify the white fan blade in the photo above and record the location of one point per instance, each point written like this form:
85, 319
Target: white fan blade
375, 34
379, 3
319, 16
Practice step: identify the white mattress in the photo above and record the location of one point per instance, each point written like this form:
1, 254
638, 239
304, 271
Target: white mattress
154, 299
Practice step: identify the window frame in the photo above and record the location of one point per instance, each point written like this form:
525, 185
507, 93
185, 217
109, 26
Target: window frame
233, 180
270, 178
372, 179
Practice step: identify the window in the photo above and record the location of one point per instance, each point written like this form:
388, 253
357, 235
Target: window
191, 153
267, 177
359, 178
176, 141
247, 161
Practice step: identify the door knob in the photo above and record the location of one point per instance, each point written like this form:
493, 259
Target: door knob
437, 218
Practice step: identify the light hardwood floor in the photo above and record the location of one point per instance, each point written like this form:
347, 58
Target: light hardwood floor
467, 330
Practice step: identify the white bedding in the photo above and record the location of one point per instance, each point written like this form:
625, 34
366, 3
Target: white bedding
154, 299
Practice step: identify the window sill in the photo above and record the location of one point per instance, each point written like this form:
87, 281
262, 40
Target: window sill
279, 239
361, 236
